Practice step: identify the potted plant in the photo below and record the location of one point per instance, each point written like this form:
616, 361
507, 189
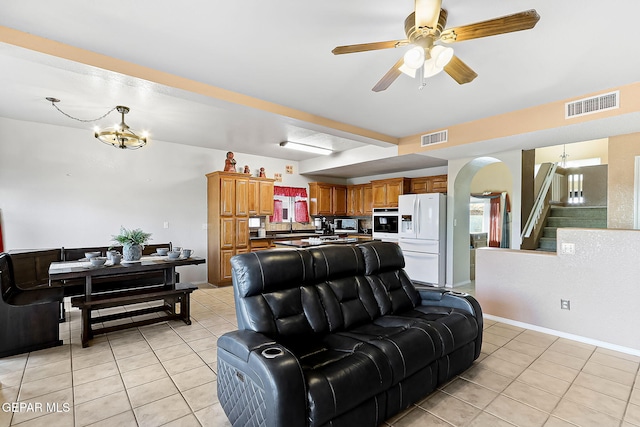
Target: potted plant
132, 242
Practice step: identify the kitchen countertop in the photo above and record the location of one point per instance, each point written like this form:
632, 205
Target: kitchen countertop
297, 236
304, 243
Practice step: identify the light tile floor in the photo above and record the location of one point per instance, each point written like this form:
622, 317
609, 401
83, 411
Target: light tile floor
164, 374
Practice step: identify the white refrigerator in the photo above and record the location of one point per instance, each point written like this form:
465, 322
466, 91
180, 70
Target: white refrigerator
422, 236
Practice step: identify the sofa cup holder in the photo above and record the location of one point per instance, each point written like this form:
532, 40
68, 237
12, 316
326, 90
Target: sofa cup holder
272, 352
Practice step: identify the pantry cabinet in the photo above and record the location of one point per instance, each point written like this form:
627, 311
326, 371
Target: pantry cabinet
231, 199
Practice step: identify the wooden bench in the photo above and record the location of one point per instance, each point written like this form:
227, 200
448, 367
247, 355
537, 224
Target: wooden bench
170, 296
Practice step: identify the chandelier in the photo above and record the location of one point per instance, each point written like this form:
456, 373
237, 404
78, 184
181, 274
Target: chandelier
119, 136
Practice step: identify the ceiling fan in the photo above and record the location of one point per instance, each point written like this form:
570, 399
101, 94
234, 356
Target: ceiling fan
426, 26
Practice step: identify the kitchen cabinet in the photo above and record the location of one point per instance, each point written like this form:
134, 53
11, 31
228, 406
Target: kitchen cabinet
429, 184
231, 198
261, 244
227, 233
354, 195
242, 233
242, 197
265, 205
339, 200
359, 200
439, 184
260, 201
386, 191
327, 199
254, 197
367, 199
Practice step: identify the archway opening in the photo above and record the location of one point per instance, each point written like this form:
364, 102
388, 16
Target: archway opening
473, 178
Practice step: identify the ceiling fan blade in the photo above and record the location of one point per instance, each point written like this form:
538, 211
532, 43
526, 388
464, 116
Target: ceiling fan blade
389, 78
427, 13
460, 71
353, 48
505, 24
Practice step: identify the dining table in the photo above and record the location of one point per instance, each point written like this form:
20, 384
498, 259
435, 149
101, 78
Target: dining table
83, 269
171, 293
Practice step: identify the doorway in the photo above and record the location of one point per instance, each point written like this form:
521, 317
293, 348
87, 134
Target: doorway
504, 175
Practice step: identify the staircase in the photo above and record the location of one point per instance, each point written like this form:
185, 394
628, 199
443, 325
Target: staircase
570, 216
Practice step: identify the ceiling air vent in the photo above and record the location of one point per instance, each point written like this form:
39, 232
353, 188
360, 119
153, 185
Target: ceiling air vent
595, 104
434, 138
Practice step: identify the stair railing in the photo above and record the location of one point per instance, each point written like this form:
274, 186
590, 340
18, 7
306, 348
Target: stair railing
539, 205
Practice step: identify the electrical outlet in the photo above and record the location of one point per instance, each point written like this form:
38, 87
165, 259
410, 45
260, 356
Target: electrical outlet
568, 248
166, 224
565, 304
205, 226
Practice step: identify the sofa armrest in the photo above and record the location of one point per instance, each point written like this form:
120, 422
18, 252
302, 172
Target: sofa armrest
256, 372
442, 297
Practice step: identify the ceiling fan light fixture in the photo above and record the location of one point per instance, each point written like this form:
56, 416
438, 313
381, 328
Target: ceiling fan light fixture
413, 60
430, 68
441, 55
307, 148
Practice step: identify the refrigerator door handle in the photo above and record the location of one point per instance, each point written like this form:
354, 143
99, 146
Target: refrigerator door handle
414, 219
417, 216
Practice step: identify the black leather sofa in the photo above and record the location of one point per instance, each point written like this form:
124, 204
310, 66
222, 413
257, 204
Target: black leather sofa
338, 335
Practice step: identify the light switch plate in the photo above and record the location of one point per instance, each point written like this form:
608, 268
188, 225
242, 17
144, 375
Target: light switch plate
568, 248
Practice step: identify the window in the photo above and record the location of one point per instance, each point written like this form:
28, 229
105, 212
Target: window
479, 215
290, 205
574, 183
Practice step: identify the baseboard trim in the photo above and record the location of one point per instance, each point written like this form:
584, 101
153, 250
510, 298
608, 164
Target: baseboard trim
603, 344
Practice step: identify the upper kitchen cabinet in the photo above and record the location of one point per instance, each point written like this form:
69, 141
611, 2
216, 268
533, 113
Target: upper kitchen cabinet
359, 200
327, 199
260, 196
429, 184
386, 191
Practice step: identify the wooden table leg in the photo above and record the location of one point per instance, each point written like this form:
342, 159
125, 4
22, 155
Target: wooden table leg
170, 277
86, 327
87, 286
185, 311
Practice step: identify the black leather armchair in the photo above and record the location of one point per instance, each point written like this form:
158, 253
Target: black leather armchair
338, 335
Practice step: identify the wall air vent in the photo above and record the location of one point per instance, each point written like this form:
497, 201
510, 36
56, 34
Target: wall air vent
434, 138
595, 104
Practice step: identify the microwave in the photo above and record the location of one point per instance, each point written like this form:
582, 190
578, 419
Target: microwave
385, 220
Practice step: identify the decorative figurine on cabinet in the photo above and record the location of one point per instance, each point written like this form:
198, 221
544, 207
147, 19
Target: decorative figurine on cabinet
230, 162
247, 170
262, 174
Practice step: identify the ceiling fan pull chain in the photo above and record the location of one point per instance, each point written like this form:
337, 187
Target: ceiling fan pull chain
423, 80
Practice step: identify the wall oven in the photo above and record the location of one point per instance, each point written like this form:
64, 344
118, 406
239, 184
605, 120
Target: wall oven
385, 224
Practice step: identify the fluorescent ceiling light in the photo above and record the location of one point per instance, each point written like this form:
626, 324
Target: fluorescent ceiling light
304, 147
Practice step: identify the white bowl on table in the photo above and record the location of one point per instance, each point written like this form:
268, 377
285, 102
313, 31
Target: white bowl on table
98, 261
162, 251
91, 255
173, 254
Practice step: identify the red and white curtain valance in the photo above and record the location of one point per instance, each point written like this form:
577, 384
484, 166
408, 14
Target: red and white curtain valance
290, 191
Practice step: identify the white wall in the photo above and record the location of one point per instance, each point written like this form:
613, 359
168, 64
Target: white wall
61, 187
599, 280
597, 148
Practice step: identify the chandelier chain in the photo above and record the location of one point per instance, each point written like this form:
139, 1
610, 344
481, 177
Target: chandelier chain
83, 120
